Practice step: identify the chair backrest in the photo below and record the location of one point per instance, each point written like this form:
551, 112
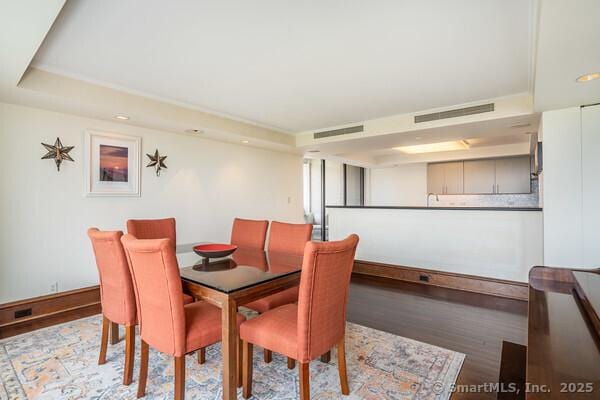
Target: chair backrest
249, 233
289, 238
116, 286
158, 293
153, 229
324, 283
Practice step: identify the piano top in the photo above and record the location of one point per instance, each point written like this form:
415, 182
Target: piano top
563, 346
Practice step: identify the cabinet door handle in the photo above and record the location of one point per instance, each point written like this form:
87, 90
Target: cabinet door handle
497, 188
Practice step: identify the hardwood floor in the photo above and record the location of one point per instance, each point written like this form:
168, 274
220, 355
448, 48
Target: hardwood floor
470, 323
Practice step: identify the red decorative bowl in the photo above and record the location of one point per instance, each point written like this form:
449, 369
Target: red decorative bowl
214, 250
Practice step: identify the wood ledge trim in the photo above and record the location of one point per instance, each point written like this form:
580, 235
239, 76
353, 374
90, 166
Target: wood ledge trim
469, 283
49, 310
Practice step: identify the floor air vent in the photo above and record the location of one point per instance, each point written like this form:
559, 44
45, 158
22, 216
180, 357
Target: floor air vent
338, 132
459, 112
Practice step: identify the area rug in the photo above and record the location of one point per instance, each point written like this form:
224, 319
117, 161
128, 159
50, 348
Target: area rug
60, 362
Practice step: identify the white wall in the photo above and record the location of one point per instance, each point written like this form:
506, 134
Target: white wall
404, 185
495, 244
44, 214
571, 192
334, 183
562, 193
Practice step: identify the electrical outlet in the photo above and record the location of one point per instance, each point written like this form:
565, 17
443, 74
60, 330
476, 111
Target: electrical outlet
54, 287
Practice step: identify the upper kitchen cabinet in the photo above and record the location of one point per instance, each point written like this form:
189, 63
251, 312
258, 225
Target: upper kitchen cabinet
445, 178
480, 177
513, 175
490, 176
435, 179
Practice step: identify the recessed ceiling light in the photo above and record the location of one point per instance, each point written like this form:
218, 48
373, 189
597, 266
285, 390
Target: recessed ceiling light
122, 117
194, 131
245, 141
313, 151
588, 77
418, 138
434, 147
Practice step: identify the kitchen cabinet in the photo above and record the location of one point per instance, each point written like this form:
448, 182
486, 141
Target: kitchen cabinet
489, 176
453, 177
435, 179
445, 178
480, 177
513, 175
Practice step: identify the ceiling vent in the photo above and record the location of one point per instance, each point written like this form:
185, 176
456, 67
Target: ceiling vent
459, 112
338, 132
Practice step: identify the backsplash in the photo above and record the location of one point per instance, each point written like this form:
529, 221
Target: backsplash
488, 200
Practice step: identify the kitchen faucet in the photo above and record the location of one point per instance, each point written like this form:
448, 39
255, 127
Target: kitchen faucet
437, 198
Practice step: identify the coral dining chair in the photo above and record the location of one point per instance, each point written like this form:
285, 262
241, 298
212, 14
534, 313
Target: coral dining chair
165, 322
249, 233
284, 238
312, 327
153, 229
116, 295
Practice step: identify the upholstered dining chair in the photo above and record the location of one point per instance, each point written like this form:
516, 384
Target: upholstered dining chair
153, 229
165, 322
317, 323
116, 295
249, 233
284, 238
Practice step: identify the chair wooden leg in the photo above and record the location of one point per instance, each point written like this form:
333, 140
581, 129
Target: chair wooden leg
267, 356
304, 381
342, 367
247, 370
291, 363
180, 377
202, 355
326, 357
114, 333
129, 353
240, 362
143, 370
104, 340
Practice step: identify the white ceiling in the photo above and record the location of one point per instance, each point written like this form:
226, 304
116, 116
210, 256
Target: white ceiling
298, 65
568, 47
494, 137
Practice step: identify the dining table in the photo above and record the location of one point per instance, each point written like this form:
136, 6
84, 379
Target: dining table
246, 275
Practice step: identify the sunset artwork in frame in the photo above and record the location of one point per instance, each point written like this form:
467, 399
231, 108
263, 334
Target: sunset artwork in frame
112, 165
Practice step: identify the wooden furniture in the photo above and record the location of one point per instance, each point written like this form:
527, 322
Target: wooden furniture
505, 175
287, 239
228, 283
309, 329
116, 293
166, 323
563, 343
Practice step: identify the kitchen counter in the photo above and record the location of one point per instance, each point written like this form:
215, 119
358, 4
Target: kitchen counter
499, 243
442, 208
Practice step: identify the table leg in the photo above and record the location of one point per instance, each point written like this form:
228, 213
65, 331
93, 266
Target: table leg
230, 349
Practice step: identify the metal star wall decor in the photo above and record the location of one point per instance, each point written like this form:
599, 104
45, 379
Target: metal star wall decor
58, 152
157, 161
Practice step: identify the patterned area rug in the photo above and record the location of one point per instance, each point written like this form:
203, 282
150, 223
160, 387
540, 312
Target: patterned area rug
60, 362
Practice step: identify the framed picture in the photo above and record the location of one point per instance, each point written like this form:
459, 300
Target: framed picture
112, 167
